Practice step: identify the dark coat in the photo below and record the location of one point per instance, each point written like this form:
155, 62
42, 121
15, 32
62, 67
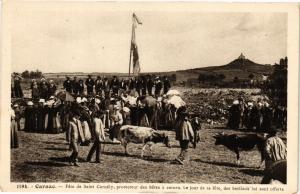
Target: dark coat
51, 90
30, 119
75, 86
17, 89
80, 88
41, 116
149, 84
68, 85
167, 86
89, 85
43, 90
123, 85
98, 85
158, 87
234, 117
267, 115
255, 118
35, 93
115, 86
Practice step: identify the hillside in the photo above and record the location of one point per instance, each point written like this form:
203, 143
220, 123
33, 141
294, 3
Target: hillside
240, 67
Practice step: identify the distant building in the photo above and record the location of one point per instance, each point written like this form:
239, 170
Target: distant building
242, 57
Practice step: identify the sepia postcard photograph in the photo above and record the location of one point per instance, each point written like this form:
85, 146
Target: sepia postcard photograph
149, 97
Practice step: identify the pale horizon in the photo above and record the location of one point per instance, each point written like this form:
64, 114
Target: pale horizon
84, 39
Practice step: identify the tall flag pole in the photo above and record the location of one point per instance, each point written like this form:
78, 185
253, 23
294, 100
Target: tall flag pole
130, 50
133, 47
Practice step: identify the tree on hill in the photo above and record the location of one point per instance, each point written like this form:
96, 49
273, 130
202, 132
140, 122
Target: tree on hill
236, 79
173, 77
276, 87
32, 74
211, 77
202, 77
25, 74
221, 77
251, 76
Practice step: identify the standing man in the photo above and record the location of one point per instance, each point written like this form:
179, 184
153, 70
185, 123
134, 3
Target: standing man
98, 85
35, 92
99, 135
43, 89
123, 85
89, 85
115, 85
138, 85
80, 87
75, 85
167, 85
143, 85
275, 149
106, 87
76, 136
158, 87
17, 87
68, 85
51, 89
149, 84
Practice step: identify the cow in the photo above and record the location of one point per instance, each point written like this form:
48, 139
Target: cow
141, 135
276, 173
237, 143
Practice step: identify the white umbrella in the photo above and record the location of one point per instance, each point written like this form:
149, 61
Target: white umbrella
176, 101
173, 93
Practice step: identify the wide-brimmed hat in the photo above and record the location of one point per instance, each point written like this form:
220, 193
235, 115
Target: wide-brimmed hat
42, 100
30, 103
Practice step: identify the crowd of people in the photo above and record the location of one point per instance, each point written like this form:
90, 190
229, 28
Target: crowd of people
88, 111
136, 101
142, 85
259, 116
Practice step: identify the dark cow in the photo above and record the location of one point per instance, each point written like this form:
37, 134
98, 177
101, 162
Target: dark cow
277, 171
239, 143
141, 135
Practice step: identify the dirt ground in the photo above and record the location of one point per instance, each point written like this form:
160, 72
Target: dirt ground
43, 158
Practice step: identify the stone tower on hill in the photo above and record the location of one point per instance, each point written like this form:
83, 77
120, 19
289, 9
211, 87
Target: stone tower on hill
242, 57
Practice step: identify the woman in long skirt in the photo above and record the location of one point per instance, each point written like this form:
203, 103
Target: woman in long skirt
14, 143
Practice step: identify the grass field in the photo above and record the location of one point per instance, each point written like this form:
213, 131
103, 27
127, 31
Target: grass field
42, 158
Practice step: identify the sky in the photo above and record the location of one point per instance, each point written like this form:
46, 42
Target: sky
88, 39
